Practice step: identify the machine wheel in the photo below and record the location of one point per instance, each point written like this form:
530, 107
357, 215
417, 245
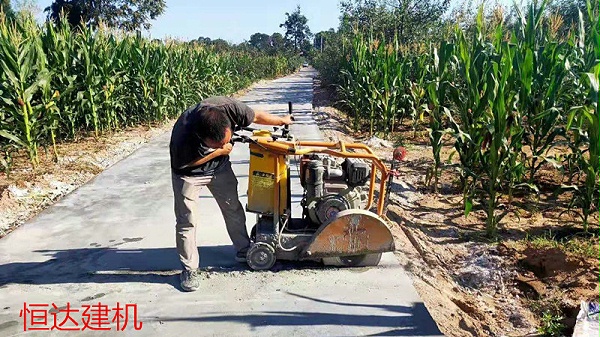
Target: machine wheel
364, 260
261, 256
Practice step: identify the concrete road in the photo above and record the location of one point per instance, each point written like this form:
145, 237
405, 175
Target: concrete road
111, 243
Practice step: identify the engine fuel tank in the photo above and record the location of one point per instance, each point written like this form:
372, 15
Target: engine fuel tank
267, 180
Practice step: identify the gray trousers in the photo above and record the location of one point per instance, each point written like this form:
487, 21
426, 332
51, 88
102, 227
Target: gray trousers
223, 186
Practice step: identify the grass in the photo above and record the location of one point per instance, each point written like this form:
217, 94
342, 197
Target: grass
551, 316
551, 325
582, 246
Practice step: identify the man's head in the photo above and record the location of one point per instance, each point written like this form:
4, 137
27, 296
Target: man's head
215, 127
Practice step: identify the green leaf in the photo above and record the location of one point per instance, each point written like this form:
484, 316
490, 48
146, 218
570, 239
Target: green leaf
11, 75
581, 40
593, 80
468, 206
569, 187
532, 187
527, 71
572, 114
12, 137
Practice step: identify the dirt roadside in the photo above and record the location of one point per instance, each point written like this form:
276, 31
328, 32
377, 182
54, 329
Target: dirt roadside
471, 286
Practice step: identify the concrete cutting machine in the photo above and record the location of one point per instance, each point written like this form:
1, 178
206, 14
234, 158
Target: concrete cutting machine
340, 223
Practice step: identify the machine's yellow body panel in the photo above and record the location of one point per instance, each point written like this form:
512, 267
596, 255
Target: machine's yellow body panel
268, 180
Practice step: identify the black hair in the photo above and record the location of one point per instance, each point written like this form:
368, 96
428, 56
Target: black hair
213, 122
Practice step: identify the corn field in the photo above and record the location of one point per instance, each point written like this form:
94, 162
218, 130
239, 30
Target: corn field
56, 82
505, 96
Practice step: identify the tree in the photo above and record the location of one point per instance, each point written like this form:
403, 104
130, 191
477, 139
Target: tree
307, 49
69, 11
204, 40
220, 45
296, 29
277, 43
6, 8
321, 38
271, 44
129, 15
329, 56
260, 41
410, 20
569, 12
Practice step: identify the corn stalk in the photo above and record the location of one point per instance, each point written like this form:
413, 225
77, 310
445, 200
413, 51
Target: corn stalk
438, 90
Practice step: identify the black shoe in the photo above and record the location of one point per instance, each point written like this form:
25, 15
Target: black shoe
241, 256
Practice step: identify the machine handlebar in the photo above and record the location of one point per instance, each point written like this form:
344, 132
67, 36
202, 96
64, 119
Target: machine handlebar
285, 131
240, 139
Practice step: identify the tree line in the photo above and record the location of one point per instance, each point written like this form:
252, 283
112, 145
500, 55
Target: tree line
135, 15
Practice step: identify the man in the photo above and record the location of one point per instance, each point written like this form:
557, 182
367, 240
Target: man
199, 148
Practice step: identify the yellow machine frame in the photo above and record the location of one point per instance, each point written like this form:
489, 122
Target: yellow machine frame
268, 169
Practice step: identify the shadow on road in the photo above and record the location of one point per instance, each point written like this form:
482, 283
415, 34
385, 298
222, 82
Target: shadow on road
114, 265
161, 265
414, 320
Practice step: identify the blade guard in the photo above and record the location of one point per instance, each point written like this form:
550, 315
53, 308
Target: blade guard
352, 232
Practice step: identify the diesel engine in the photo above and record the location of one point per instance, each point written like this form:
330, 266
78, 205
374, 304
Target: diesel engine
332, 185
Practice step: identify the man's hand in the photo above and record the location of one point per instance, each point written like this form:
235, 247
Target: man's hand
287, 120
226, 149
265, 118
223, 151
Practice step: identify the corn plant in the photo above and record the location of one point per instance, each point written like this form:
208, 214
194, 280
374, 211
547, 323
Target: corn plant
24, 73
509, 96
354, 91
58, 46
576, 137
583, 119
57, 83
438, 90
373, 87
587, 196
503, 132
466, 121
542, 65
414, 98
51, 114
487, 126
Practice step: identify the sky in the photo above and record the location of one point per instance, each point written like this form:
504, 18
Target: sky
235, 20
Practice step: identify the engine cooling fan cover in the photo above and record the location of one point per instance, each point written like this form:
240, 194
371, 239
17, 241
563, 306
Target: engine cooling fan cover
330, 206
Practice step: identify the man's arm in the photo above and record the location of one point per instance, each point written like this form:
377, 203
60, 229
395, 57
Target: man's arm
265, 118
225, 150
